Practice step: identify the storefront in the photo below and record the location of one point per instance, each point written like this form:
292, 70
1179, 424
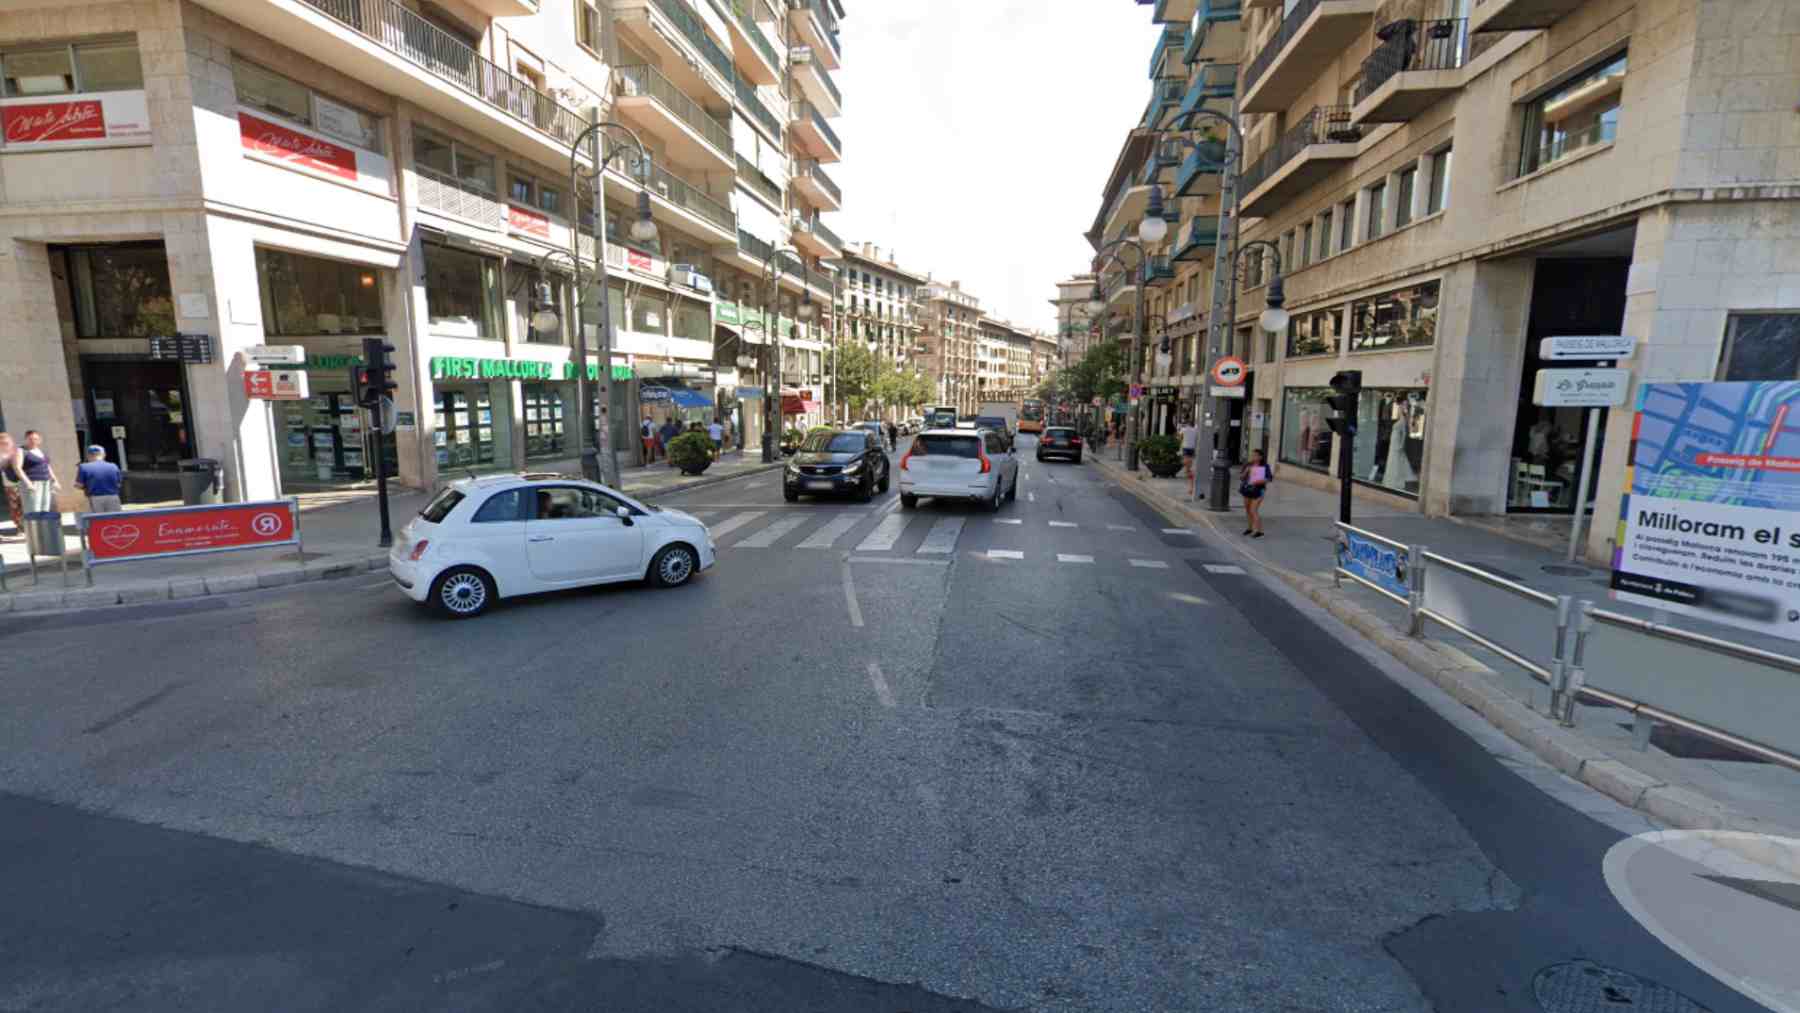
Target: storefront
1390, 435
549, 419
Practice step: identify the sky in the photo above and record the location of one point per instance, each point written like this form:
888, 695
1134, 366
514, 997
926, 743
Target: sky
978, 135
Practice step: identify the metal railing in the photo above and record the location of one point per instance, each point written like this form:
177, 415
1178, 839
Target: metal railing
830, 85
1415, 45
828, 21
406, 34
1173, 37
1290, 26
740, 10
811, 168
817, 227
761, 252
1322, 125
683, 194
684, 19
746, 93
451, 195
646, 80
806, 110
751, 174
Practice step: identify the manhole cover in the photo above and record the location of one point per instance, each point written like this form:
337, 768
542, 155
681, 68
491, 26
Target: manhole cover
1564, 570
1581, 986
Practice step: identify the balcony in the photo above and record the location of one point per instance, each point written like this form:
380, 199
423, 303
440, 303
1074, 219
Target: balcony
757, 60
752, 177
817, 85
1518, 15
812, 135
759, 112
1216, 82
816, 187
652, 102
1308, 39
1216, 32
1158, 272
1165, 98
671, 30
1128, 202
1416, 65
1202, 171
1168, 49
454, 197
816, 25
1173, 11
505, 8
1198, 239
1311, 150
704, 216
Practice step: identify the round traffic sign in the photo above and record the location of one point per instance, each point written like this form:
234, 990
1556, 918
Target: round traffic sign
1228, 372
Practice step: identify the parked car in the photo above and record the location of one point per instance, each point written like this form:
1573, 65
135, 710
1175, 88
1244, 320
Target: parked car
498, 536
996, 424
877, 428
912, 425
850, 461
1059, 441
958, 464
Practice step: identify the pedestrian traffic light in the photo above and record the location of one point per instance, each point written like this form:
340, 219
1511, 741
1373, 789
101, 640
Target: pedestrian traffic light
1346, 389
374, 379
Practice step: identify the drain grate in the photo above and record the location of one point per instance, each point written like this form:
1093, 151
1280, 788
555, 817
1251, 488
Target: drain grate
1582, 986
1564, 570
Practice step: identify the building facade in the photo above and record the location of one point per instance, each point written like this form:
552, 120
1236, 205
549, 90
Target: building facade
302, 172
950, 342
1073, 330
1448, 182
879, 303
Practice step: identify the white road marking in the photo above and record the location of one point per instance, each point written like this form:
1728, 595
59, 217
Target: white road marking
1191, 599
1222, 568
943, 535
1007, 520
1063, 524
1176, 531
899, 560
1120, 527
883, 691
774, 532
1150, 564
1064, 557
850, 598
822, 538
885, 534
1005, 554
1031, 497
732, 523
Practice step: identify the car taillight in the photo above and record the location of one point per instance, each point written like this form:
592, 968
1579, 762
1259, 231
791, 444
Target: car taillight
986, 465
419, 549
1074, 441
904, 458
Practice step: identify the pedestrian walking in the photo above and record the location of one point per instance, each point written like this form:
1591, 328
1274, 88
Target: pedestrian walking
667, 435
1190, 438
100, 479
730, 434
716, 433
12, 480
41, 483
893, 435
647, 433
1253, 483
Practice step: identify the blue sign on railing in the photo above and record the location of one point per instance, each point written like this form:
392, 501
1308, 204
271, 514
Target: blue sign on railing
1376, 562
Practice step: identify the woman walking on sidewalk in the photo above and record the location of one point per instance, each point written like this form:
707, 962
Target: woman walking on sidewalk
12, 481
1253, 482
41, 483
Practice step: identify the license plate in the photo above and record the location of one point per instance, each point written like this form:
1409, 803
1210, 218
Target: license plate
819, 484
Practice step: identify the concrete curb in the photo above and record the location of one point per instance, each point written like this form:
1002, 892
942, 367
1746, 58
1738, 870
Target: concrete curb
704, 482
1676, 806
79, 598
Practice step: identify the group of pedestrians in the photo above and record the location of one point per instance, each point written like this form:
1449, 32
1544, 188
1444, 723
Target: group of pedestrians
30, 483
657, 438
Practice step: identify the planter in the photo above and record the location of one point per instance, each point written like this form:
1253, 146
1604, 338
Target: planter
1210, 152
1163, 469
701, 470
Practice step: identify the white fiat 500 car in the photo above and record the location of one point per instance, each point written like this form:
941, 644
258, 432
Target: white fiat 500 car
972, 464
496, 536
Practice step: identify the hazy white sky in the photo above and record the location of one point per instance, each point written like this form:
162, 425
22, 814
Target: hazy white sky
978, 134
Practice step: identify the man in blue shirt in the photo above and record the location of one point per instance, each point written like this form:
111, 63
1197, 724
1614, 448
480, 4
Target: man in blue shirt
100, 479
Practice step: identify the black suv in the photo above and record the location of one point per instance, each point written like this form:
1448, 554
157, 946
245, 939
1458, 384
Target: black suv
837, 461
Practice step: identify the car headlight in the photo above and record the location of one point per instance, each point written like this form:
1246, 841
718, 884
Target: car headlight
793, 468
853, 467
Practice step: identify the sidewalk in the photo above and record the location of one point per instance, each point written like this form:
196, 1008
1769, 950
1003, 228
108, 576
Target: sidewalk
339, 530
1679, 780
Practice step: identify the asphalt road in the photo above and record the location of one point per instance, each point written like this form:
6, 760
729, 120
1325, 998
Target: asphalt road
875, 760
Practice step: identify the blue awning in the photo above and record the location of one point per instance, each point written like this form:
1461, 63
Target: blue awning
686, 398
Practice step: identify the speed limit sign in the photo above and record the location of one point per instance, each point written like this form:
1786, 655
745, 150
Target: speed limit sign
1228, 371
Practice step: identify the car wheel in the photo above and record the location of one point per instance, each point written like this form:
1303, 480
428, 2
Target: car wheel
1077, 458
1012, 493
1040, 458
673, 566
908, 501
463, 592
999, 497
789, 494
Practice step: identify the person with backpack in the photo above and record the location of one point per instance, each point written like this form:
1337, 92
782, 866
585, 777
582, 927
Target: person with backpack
1253, 482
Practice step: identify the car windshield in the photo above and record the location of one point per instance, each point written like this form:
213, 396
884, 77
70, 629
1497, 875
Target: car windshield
441, 505
833, 443
947, 446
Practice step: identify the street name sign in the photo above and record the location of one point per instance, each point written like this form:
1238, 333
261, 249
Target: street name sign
1586, 346
1218, 391
276, 355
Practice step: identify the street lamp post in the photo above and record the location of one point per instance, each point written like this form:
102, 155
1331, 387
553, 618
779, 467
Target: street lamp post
1097, 304
773, 268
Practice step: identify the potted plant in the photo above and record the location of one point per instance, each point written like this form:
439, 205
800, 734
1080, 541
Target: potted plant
1211, 146
691, 452
1161, 454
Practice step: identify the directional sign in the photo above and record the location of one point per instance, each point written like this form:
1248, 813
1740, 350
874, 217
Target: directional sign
275, 384
276, 355
1581, 388
1228, 371
1586, 346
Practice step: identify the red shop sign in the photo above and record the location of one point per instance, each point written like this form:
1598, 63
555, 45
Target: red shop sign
289, 145
37, 122
641, 261
141, 534
528, 221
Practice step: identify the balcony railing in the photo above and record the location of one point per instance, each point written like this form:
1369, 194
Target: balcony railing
413, 38
1323, 125
646, 80
751, 174
740, 9
810, 167
1290, 26
830, 85
685, 195
453, 196
746, 94
1173, 37
1415, 45
678, 12
760, 251
817, 226
806, 110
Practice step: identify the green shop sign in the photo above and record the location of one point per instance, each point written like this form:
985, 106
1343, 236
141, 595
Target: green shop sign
332, 361
726, 312
456, 367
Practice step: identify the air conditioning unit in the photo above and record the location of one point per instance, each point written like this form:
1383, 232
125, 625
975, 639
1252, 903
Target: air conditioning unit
800, 55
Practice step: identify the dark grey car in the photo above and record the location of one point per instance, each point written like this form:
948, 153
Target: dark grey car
837, 461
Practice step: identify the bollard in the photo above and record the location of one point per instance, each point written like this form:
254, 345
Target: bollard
1558, 667
1415, 590
1577, 676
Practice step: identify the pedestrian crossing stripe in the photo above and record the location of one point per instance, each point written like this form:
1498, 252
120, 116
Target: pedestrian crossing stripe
1222, 568
943, 535
730, 524
773, 533
822, 538
885, 534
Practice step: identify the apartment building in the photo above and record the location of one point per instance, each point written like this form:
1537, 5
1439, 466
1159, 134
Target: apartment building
1074, 324
950, 343
880, 302
1449, 181
313, 172
1003, 360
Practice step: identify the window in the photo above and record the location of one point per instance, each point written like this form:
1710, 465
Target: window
454, 162
1287, 251
1761, 346
1395, 319
521, 190
1304, 249
462, 292
121, 291
441, 505
1390, 429
543, 420
571, 503
70, 69
502, 507
587, 24
1578, 114
1324, 235
549, 198
1403, 196
1376, 210
692, 320
311, 295
1315, 333
648, 310
270, 92
1253, 269
1439, 197
1346, 225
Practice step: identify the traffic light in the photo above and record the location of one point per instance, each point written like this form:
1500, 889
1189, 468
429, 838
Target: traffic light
1346, 389
373, 380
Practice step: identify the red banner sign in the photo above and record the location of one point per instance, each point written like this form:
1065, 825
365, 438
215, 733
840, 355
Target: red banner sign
140, 534
289, 145
530, 222
641, 261
38, 122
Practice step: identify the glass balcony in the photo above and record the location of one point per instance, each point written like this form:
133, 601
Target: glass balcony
691, 29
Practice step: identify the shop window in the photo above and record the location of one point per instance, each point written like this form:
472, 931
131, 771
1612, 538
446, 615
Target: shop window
544, 410
1580, 114
455, 161
462, 292
310, 295
474, 426
1761, 346
1439, 196
71, 68
1305, 434
1403, 196
269, 92
1315, 333
1404, 317
121, 291
1390, 430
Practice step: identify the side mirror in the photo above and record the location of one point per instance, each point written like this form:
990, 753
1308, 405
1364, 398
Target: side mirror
625, 515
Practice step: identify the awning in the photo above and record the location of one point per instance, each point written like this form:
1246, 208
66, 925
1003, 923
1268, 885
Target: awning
686, 398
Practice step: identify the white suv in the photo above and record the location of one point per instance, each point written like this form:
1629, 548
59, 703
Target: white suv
503, 535
960, 464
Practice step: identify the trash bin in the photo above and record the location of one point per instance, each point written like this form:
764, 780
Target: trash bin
202, 481
44, 533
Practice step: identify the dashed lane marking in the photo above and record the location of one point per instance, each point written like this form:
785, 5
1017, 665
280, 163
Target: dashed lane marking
773, 533
1005, 554
883, 691
1120, 527
1031, 497
1222, 568
1008, 520
1176, 531
1065, 557
1150, 564
1063, 524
